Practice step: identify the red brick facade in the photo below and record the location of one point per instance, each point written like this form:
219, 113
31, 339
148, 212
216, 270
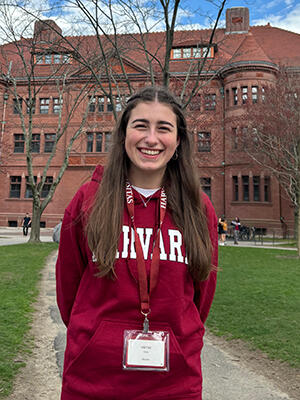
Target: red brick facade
246, 58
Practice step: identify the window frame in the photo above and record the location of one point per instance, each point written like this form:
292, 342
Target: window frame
44, 105
203, 142
17, 183
19, 141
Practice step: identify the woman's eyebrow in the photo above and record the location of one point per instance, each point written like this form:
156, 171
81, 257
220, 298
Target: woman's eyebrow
147, 122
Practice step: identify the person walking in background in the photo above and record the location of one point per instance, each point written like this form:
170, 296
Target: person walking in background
26, 224
136, 268
224, 231
236, 226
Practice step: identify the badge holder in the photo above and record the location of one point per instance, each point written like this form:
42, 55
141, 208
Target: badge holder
146, 350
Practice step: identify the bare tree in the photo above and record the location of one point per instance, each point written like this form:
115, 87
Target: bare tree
19, 70
106, 61
273, 134
121, 31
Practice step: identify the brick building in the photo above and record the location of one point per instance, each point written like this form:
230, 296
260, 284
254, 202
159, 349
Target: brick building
241, 62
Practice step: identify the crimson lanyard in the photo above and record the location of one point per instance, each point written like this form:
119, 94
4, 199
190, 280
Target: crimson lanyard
141, 267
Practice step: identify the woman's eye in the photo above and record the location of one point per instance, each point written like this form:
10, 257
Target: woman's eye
164, 128
140, 126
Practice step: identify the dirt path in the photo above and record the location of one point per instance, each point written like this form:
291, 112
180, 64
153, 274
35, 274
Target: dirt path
40, 379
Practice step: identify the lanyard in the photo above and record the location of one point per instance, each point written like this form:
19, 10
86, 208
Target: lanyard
141, 267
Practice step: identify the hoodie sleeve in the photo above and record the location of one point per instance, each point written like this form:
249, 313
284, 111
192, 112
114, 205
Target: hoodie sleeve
205, 290
72, 258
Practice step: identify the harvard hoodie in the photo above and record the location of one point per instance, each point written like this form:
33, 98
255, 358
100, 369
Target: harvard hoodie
97, 310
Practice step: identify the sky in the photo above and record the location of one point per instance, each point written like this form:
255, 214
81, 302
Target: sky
283, 14
193, 14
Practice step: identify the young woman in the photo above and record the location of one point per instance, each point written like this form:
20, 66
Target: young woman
136, 270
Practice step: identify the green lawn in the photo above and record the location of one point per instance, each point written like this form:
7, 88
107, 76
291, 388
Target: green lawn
258, 300
20, 271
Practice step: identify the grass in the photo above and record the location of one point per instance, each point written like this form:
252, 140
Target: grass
257, 300
20, 271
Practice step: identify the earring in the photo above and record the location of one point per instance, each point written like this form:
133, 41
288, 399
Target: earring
175, 155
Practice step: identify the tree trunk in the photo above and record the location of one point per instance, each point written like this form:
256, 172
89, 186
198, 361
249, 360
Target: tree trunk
35, 223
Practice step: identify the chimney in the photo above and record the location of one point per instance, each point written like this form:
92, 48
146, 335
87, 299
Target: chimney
46, 31
237, 20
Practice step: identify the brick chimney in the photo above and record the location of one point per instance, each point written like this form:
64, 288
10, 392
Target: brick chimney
237, 20
46, 31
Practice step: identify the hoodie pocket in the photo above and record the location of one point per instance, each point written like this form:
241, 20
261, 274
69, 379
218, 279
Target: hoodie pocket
99, 364
105, 348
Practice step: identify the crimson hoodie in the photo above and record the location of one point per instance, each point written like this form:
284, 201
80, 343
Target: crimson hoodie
97, 310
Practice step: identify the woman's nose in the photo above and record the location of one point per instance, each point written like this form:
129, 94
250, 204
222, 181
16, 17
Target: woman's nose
151, 137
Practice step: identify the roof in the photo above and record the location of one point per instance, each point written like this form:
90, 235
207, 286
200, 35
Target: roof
262, 45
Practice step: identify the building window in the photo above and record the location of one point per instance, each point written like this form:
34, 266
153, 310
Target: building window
56, 58
263, 94
66, 58
192, 52
92, 104
118, 104
28, 190
210, 101
44, 105
99, 142
235, 183
244, 94
100, 100
13, 224
47, 186
57, 105
227, 98
206, 186
267, 191
97, 103
48, 58
176, 53
39, 59
196, 52
19, 143
235, 96
89, 142
256, 188
49, 142
109, 105
234, 138
15, 187
245, 183
204, 141
254, 92
17, 105
102, 142
35, 143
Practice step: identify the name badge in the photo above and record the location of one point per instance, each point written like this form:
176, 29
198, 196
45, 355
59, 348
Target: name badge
146, 351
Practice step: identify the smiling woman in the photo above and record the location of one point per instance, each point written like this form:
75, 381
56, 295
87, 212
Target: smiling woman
136, 267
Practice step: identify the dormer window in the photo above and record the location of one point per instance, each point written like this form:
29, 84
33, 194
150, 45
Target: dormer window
56, 58
192, 52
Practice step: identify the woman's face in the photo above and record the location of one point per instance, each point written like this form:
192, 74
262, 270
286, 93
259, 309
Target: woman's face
151, 140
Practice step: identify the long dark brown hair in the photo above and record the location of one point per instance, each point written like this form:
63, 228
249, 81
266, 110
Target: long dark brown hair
180, 182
